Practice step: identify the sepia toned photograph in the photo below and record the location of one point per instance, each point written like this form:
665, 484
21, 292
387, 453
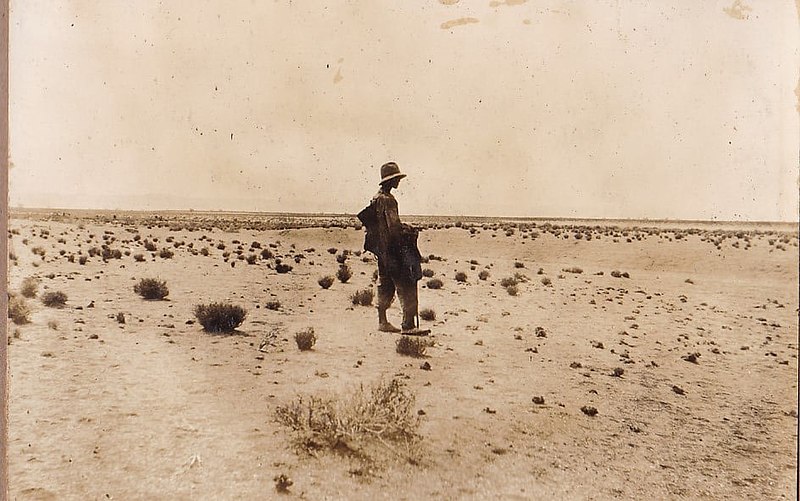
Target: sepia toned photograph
446, 249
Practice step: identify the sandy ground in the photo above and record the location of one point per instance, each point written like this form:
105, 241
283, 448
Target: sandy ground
155, 408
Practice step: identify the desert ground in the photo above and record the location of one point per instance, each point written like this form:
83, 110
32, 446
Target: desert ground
597, 360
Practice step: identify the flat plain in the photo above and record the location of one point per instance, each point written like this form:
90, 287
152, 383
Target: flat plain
571, 360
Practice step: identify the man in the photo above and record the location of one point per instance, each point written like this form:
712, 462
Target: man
395, 246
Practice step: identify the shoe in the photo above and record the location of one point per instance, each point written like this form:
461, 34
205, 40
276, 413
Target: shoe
387, 327
416, 331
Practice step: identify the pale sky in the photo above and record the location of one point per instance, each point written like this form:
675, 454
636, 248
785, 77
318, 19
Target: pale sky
544, 108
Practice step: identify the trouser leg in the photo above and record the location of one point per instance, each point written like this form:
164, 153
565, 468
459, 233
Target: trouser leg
386, 290
407, 292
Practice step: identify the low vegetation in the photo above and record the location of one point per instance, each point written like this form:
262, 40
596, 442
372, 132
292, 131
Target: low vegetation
151, 289
219, 317
305, 339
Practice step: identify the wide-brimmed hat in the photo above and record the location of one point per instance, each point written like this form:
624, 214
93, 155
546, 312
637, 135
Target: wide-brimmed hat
390, 171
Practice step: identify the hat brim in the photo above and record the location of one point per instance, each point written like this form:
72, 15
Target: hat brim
393, 176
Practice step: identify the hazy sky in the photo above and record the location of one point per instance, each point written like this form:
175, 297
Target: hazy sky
617, 108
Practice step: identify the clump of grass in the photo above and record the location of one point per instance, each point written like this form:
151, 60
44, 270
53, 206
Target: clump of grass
344, 274
52, 324
139, 258
54, 299
219, 317
18, 310
120, 318
273, 305
354, 424
434, 283
427, 314
518, 264
29, 287
546, 281
509, 282
427, 273
325, 282
461, 277
512, 290
251, 259
363, 297
412, 346
305, 339
151, 288
165, 253
82, 260
483, 275
573, 269
283, 268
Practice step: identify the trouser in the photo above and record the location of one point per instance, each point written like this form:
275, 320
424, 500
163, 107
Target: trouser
406, 290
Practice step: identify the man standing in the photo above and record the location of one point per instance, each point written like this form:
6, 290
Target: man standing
395, 246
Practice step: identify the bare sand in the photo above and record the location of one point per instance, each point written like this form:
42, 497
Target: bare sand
156, 408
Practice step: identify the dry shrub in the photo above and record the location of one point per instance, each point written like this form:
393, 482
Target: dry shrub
573, 269
427, 314
219, 317
434, 283
29, 287
54, 299
138, 258
18, 310
363, 297
305, 339
512, 290
461, 277
325, 282
546, 281
344, 274
368, 417
483, 275
518, 264
151, 288
52, 324
412, 346
509, 282
165, 253
273, 305
427, 273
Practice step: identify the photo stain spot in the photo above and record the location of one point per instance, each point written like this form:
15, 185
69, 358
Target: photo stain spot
738, 10
459, 22
510, 3
448, 2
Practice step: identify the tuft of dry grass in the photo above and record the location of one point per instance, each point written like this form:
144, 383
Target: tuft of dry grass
434, 283
512, 290
151, 289
412, 346
18, 310
573, 269
343, 273
325, 282
483, 275
427, 314
363, 297
427, 273
353, 424
461, 277
305, 339
29, 287
54, 299
219, 317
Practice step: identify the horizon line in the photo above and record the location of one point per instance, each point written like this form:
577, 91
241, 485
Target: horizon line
463, 216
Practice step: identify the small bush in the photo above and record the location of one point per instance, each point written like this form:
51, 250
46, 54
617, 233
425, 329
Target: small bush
371, 416
165, 253
251, 259
332, 250
341, 258
139, 258
427, 314
120, 318
344, 274
573, 269
219, 317
150, 246
54, 299
273, 305
483, 275
305, 339
427, 273
412, 346
18, 310
512, 290
267, 254
283, 268
461, 277
509, 282
151, 288
546, 281
434, 283
29, 287
82, 260
325, 282
363, 297
517, 264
